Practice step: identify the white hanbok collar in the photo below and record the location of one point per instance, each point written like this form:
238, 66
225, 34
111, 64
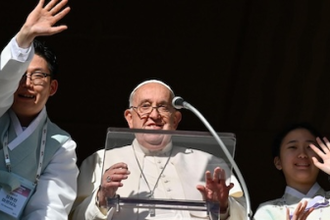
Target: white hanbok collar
310, 194
21, 133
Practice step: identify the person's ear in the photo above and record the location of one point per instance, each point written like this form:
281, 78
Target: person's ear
53, 87
128, 117
177, 118
277, 163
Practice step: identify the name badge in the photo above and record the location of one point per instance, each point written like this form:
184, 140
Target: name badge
13, 203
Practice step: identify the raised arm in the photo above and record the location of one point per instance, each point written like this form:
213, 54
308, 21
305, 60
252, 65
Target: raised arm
14, 59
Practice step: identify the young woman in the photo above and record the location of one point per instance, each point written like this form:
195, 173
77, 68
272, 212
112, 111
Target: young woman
300, 154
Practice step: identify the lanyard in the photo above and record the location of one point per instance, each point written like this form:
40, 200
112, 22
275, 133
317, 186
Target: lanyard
41, 154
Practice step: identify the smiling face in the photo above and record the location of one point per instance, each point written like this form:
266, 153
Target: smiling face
295, 159
30, 99
154, 94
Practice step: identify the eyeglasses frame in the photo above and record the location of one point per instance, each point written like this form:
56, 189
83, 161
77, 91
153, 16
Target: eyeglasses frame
45, 75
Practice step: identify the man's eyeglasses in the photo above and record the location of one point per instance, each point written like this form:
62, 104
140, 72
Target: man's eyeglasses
145, 110
37, 78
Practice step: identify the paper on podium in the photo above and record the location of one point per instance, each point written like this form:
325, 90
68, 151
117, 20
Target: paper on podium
171, 178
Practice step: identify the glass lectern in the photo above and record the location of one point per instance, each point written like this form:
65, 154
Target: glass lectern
162, 182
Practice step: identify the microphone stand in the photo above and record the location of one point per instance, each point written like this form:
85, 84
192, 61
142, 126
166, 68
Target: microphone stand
230, 158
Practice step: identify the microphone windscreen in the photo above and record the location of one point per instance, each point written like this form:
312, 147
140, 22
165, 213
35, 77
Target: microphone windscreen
177, 102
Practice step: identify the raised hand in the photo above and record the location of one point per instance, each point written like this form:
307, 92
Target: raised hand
324, 154
111, 180
299, 213
41, 21
215, 189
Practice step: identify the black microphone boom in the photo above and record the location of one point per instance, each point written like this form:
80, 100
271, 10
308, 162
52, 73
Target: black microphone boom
179, 103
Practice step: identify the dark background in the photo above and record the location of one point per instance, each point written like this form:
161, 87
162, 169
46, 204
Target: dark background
250, 67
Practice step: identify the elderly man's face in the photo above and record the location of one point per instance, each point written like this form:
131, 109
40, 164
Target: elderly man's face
155, 95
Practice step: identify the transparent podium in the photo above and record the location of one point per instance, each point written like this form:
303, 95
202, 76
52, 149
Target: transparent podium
165, 169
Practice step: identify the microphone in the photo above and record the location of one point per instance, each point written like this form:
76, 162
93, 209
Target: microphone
180, 103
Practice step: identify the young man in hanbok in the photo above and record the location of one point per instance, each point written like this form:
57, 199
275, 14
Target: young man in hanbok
38, 161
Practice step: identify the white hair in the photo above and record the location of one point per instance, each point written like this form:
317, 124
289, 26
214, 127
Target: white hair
130, 100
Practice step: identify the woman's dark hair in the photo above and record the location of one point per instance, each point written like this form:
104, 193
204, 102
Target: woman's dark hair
280, 136
45, 52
